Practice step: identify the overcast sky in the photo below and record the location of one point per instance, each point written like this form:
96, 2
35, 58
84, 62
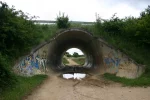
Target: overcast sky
72, 50
80, 10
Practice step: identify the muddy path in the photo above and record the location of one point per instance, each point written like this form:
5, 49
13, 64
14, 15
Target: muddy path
91, 88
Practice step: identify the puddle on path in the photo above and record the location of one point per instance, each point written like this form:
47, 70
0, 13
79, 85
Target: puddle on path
77, 76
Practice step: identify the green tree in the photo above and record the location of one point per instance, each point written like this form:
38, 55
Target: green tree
75, 54
67, 54
18, 34
62, 21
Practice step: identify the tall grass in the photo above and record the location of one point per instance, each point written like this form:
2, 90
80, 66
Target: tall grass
65, 61
141, 81
23, 87
46, 31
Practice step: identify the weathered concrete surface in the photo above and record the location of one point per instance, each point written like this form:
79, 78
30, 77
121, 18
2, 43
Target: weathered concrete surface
118, 63
100, 57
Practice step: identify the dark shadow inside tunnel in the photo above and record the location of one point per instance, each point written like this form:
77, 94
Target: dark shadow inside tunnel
79, 39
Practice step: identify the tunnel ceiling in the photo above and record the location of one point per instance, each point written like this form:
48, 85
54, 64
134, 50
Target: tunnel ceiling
73, 38
74, 34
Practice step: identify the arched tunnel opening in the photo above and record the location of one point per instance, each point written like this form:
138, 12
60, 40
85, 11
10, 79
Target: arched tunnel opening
75, 38
73, 57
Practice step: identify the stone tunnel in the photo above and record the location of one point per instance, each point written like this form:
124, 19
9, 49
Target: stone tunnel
100, 56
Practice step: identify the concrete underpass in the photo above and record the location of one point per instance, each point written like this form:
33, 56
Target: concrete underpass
100, 56
75, 38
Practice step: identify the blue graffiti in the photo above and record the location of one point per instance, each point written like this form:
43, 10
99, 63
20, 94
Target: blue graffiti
117, 62
31, 65
36, 64
109, 61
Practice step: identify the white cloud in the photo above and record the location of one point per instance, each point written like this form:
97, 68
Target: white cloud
80, 10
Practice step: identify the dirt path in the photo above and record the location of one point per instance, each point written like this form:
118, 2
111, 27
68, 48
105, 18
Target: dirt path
56, 88
71, 62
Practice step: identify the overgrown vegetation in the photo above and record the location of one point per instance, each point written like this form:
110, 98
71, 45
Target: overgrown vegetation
65, 61
46, 31
132, 36
18, 34
141, 81
62, 21
23, 87
7, 79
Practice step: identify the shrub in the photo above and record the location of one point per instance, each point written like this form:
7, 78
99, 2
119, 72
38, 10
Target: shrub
17, 35
62, 21
17, 32
7, 79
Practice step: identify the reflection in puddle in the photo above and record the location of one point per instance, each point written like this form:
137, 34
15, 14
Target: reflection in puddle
77, 76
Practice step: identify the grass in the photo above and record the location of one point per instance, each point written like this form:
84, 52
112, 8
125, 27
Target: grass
23, 87
141, 81
79, 60
65, 61
46, 31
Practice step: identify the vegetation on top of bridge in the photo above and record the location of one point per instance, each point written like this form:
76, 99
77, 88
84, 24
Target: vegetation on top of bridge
62, 21
18, 34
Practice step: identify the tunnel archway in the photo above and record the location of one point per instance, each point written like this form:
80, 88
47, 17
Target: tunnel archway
74, 57
75, 38
100, 56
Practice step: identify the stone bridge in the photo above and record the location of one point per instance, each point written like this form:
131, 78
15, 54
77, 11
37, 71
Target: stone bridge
100, 56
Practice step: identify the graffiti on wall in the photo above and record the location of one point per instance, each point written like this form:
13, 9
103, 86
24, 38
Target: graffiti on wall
112, 60
32, 64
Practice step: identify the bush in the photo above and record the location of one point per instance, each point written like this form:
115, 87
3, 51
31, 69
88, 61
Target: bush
23, 87
75, 54
62, 21
17, 35
17, 32
130, 29
141, 81
7, 79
